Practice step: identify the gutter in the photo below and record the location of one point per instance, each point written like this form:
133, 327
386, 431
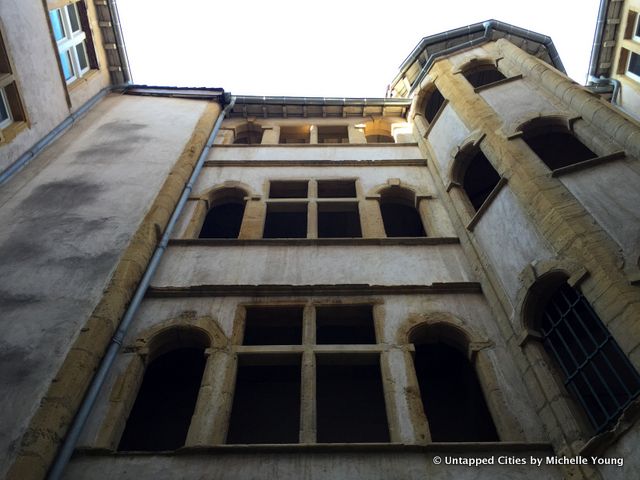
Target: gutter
487, 27
82, 415
320, 101
597, 38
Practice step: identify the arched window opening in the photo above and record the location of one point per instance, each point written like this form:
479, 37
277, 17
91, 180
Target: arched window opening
483, 75
479, 180
433, 105
161, 414
399, 214
451, 394
248, 134
593, 367
225, 216
558, 149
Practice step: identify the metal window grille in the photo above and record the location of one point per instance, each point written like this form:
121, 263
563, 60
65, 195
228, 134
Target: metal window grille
596, 371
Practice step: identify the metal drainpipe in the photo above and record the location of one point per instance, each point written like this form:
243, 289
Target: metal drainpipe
71, 439
608, 81
117, 31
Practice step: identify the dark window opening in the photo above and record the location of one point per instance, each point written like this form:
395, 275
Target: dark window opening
333, 134
350, 401
559, 149
294, 134
288, 189
380, 139
345, 325
338, 220
161, 414
595, 370
480, 178
286, 221
223, 221
434, 104
451, 395
249, 135
273, 326
483, 76
401, 220
336, 188
266, 403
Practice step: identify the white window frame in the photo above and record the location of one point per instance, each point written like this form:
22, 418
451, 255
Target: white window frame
5, 101
635, 34
629, 73
69, 43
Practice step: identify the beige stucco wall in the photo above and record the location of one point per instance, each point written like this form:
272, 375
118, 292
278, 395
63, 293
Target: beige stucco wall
68, 216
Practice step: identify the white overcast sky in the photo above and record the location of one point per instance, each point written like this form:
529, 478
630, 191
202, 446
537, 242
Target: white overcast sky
340, 48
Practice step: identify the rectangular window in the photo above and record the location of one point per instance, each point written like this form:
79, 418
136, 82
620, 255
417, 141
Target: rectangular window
311, 392
350, 400
333, 134
266, 403
286, 220
273, 326
633, 67
11, 111
338, 220
336, 189
345, 325
67, 24
295, 135
288, 189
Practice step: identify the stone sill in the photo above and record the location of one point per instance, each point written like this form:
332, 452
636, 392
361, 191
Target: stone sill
298, 145
281, 290
225, 242
588, 163
460, 447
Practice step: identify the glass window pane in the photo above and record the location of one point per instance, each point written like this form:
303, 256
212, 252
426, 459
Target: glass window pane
73, 17
82, 56
67, 69
4, 110
634, 64
56, 23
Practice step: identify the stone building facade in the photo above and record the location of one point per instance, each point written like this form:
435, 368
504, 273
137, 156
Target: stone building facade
313, 287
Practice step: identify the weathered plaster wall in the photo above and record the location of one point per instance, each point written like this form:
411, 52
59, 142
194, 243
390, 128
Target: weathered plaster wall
36, 71
68, 216
600, 189
312, 264
348, 465
316, 152
509, 240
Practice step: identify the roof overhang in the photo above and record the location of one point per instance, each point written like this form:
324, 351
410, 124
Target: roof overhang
416, 65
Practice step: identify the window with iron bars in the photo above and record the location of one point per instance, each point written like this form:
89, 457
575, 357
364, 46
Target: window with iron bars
595, 370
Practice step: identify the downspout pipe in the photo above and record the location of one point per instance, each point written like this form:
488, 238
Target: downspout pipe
597, 38
607, 81
122, 50
71, 439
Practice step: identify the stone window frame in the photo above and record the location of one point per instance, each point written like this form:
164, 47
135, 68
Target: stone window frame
72, 39
421, 201
199, 206
308, 350
477, 348
10, 95
604, 149
184, 330
462, 155
483, 63
423, 126
312, 201
562, 416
